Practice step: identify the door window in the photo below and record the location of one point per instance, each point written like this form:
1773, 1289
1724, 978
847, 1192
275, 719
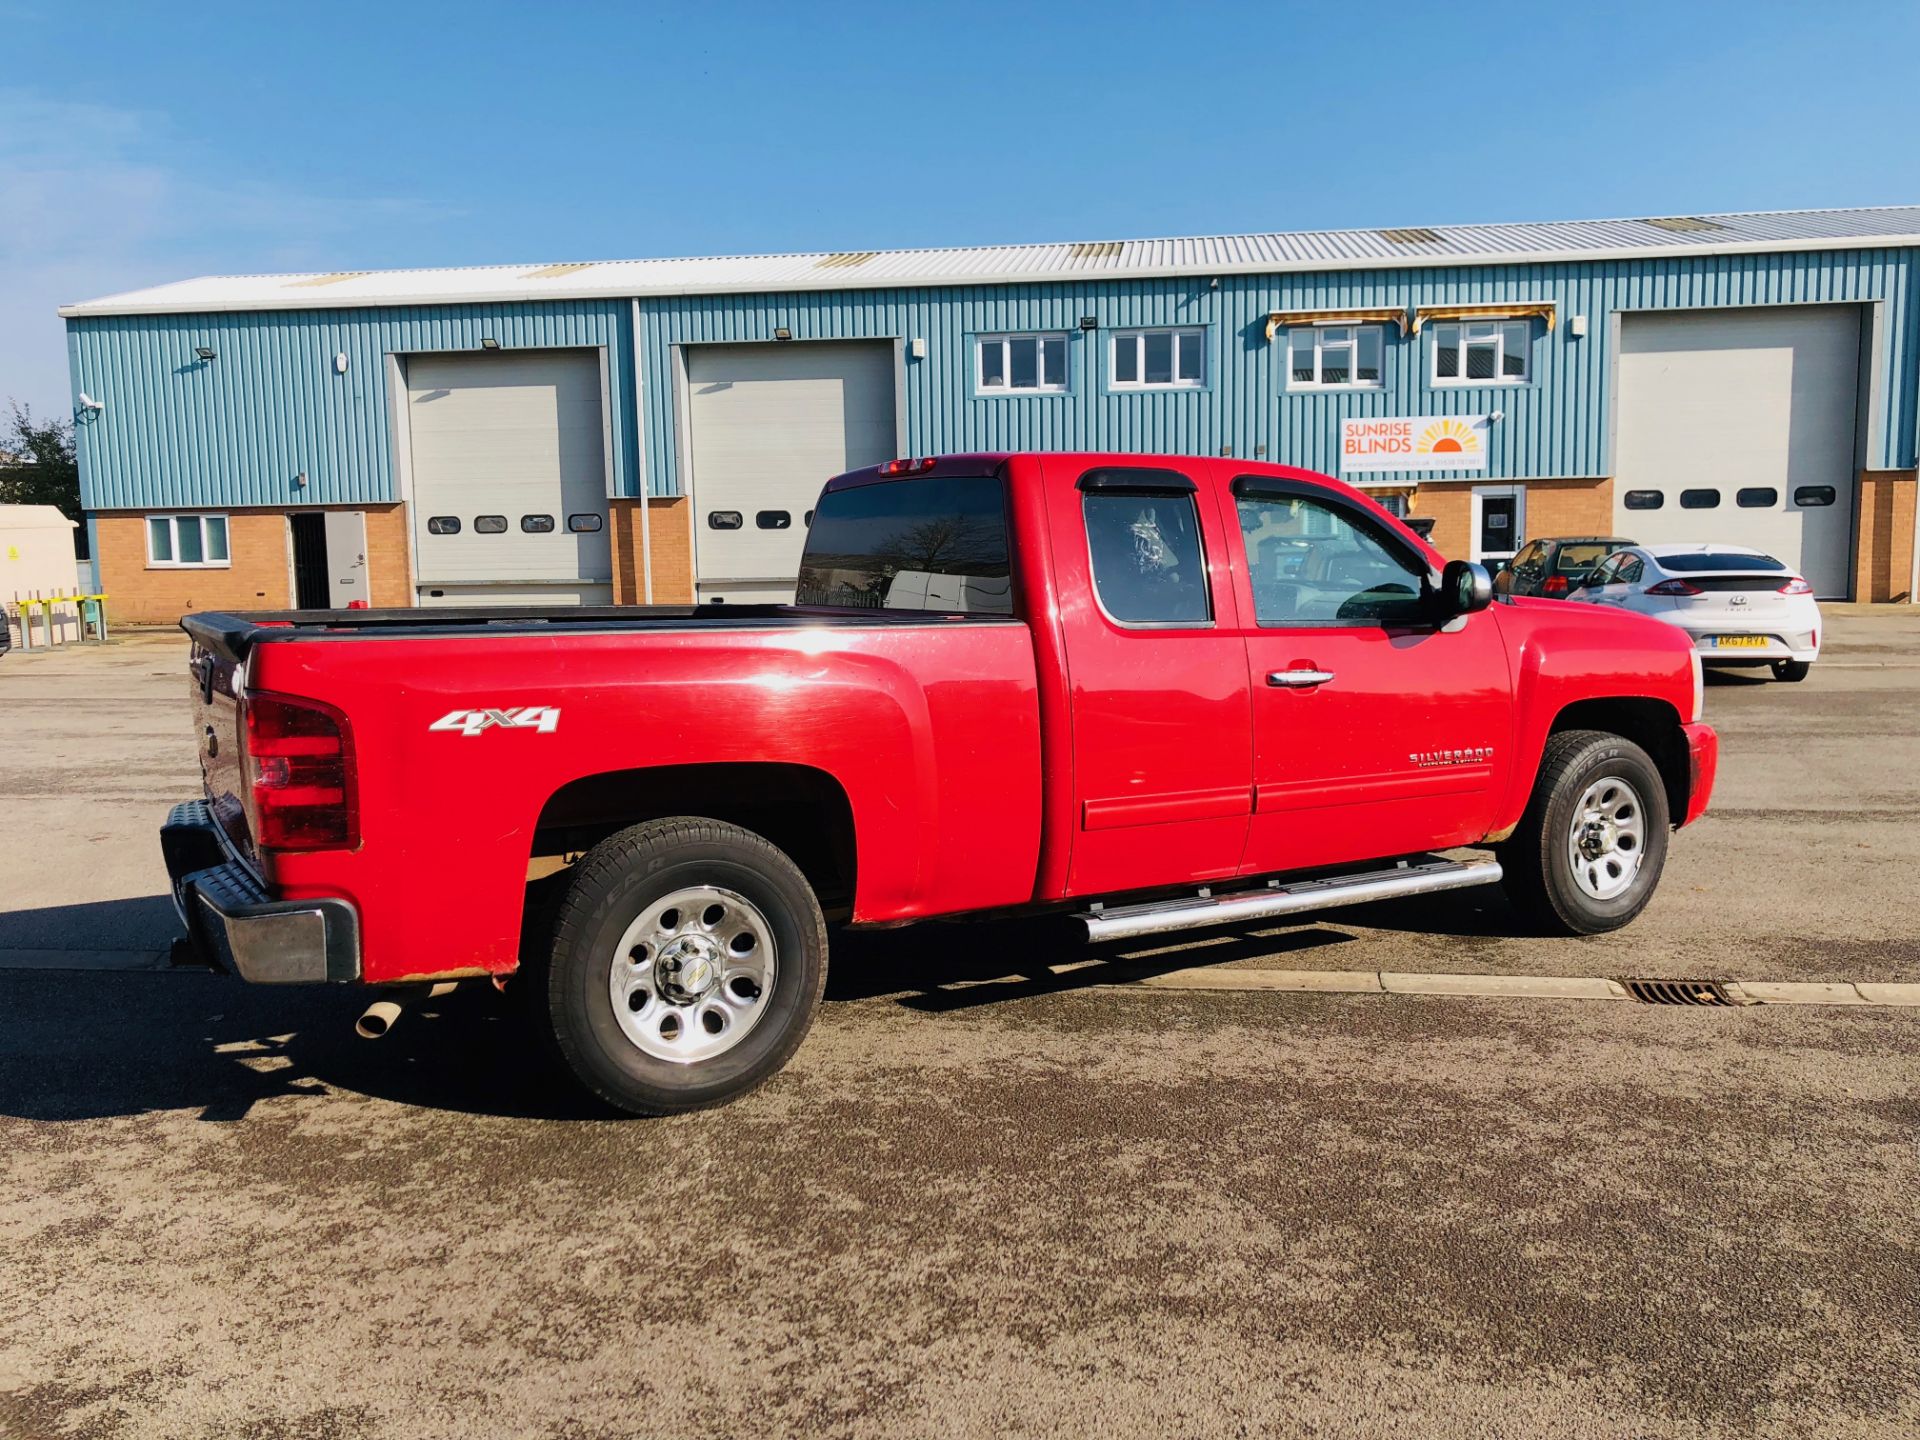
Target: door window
1499, 524
1314, 563
1148, 566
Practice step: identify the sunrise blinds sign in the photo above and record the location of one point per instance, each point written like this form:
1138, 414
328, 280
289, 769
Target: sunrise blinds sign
1413, 442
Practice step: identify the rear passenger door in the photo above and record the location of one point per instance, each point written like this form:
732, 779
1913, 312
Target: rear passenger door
1157, 673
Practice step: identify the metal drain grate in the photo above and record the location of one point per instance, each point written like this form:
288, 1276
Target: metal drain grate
1678, 992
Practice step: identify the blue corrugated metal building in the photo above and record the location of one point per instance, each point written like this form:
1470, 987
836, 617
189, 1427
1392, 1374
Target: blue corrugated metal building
657, 429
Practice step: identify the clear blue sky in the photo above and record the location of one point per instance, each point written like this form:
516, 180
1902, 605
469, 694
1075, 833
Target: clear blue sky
146, 143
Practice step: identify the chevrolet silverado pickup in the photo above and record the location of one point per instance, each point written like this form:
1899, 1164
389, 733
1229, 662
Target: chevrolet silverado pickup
1146, 692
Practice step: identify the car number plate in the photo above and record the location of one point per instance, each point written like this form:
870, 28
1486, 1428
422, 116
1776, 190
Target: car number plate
1740, 642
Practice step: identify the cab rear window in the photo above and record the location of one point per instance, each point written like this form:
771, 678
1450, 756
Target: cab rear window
936, 544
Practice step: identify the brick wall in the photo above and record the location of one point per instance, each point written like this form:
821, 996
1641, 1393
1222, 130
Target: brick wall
1554, 507
259, 577
389, 556
1883, 560
672, 552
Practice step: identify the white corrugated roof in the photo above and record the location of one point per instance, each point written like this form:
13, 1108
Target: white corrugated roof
1007, 264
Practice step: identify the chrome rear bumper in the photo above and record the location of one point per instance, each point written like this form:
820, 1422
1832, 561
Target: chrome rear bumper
237, 926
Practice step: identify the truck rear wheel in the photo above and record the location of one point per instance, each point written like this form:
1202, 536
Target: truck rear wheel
1588, 853
688, 959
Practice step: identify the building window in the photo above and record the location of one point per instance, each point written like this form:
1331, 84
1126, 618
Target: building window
1021, 364
186, 542
1335, 357
1482, 352
1159, 359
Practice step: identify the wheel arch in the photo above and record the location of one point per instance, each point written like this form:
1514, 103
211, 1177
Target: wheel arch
1654, 725
802, 810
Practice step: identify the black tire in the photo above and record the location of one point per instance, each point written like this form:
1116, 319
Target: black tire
1539, 871
1791, 669
613, 887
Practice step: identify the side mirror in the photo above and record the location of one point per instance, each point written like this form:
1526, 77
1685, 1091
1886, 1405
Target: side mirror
1464, 588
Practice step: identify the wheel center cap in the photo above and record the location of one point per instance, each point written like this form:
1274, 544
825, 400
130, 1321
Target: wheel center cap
1597, 838
689, 967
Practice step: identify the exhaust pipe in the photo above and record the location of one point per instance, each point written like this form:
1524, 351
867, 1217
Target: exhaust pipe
382, 1015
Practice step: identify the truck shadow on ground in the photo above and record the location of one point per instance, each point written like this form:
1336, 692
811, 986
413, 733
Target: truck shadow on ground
89, 1044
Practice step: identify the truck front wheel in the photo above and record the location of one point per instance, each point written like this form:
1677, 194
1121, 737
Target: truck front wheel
1588, 853
688, 959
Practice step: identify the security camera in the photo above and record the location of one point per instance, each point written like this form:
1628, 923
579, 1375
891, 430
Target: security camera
87, 402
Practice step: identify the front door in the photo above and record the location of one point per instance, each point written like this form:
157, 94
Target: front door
1377, 732
1157, 672
1499, 520
347, 581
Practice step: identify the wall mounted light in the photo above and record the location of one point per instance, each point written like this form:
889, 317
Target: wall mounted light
300, 481
919, 347
783, 333
1089, 322
205, 352
1577, 326
487, 342
340, 363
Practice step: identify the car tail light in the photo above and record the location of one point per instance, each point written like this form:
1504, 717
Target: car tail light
1796, 586
301, 786
1555, 585
1673, 587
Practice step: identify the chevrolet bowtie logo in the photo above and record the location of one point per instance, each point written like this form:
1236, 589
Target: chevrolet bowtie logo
1472, 755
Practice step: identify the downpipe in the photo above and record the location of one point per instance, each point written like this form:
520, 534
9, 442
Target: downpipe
381, 1016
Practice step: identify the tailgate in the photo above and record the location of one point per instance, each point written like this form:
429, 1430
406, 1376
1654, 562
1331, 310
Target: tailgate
216, 727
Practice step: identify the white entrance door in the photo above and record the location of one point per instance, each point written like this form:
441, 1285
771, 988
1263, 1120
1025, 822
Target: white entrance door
509, 501
1738, 427
1499, 523
768, 426
347, 579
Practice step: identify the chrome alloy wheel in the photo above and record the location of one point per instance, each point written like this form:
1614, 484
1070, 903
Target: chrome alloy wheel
1607, 839
693, 974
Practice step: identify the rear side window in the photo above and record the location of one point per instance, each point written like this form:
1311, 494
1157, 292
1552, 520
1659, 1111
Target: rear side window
1645, 499
1148, 567
936, 544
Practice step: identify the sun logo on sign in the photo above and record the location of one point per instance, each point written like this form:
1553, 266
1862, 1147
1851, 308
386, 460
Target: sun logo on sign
1447, 437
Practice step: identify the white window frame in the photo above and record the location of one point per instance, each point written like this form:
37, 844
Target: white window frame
1004, 341
1138, 340
1493, 332
1351, 345
174, 519
1476, 512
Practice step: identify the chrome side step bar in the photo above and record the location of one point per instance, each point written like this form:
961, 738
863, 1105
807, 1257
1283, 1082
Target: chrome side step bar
1407, 878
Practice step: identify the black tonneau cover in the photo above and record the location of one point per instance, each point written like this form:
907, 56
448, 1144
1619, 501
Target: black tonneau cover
231, 634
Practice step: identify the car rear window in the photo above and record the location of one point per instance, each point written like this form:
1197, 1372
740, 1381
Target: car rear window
925, 544
1578, 559
1718, 560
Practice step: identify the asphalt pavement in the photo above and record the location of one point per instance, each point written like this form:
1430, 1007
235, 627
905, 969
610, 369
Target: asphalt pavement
1001, 1190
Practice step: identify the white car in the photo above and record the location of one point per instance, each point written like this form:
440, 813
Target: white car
1741, 607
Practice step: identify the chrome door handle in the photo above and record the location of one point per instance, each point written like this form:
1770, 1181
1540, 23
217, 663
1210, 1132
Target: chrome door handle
1297, 679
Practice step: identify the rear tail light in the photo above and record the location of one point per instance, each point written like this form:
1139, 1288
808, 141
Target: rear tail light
1673, 587
1796, 586
1556, 585
301, 786
907, 467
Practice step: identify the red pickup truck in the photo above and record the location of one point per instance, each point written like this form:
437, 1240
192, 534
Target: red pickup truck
1150, 692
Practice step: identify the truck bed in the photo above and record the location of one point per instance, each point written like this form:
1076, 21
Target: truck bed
231, 634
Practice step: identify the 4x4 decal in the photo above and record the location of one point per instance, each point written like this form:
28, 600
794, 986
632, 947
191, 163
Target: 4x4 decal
544, 718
